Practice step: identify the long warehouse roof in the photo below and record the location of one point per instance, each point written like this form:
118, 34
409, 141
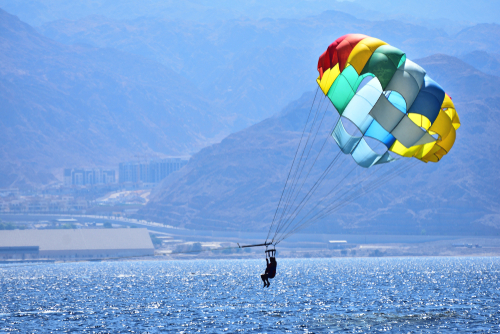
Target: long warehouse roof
78, 239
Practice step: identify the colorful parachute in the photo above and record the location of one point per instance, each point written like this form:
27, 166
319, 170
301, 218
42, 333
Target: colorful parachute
401, 106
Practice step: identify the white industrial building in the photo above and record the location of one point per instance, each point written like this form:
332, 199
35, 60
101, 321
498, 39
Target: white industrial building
75, 243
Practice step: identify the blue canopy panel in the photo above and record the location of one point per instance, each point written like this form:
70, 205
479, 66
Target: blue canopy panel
366, 157
376, 131
397, 100
358, 148
346, 142
357, 111
429, 100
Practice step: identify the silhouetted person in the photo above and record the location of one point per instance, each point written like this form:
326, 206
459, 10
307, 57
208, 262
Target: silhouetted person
270, 271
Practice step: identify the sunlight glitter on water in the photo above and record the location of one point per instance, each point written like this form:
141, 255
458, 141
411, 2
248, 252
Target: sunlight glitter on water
313, 295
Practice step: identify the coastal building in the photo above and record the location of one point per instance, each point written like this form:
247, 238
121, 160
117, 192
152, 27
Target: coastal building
152, 171
66, 244
88, 176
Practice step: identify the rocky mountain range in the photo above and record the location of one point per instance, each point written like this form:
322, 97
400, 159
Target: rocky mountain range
94, 90
252, 68
65, 106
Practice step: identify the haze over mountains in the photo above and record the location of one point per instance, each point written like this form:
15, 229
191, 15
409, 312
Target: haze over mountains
253, 68
65, 106
93, 85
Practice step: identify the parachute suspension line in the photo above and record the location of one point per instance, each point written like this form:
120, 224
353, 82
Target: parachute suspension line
311, 192
350, 200
291, 167
295, 168
302, 204
322, 213
283, 227
397, 170
307, 176
294, 177
290, 184
289, 204
304, 200
334, 190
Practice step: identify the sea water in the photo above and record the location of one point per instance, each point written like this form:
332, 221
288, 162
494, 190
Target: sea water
356, 295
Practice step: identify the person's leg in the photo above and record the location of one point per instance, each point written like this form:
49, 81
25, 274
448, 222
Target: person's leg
264, 279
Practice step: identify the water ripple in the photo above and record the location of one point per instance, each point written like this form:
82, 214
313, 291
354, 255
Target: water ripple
416, 295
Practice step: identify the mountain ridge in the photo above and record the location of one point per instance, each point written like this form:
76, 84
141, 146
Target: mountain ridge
251, 67
92, 106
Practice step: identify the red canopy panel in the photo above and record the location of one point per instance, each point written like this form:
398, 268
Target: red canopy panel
338, 52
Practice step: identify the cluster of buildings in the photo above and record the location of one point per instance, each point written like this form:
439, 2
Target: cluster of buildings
42, 204
83, 186
88, 176
152, 171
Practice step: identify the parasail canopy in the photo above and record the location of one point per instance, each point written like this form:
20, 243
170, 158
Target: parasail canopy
399, 105
383, 100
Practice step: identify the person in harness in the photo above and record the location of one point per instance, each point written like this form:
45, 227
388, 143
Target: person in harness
270, 268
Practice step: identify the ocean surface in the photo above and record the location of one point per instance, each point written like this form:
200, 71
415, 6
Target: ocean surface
365, 295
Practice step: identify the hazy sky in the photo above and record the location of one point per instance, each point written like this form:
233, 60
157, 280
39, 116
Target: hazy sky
448, 13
